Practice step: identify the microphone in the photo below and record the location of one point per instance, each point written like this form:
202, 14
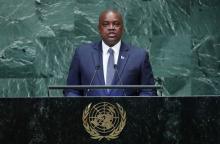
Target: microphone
97, 67
160, 82
120, 81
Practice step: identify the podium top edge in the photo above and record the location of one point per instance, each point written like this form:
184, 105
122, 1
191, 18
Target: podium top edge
110, 97
102, 86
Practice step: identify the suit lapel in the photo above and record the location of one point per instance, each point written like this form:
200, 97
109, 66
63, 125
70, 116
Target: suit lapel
122, 60
97, 59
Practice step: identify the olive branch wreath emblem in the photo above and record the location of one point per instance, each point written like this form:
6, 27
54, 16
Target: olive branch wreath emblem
95, 134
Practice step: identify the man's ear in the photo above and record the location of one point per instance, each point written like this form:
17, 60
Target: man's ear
123, 30
98, 27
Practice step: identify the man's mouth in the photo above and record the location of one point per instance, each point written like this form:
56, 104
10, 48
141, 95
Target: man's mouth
111, 35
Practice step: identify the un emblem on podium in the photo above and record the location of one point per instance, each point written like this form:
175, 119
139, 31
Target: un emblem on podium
104, 120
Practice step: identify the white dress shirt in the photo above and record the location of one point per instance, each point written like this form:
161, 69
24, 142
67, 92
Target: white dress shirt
105, 55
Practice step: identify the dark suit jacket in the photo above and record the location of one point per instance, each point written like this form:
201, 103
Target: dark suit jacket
133, 68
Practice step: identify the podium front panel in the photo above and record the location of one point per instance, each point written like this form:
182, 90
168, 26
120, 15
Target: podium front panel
105, 120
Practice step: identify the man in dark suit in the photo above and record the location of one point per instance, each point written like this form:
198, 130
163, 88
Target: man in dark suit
110, 62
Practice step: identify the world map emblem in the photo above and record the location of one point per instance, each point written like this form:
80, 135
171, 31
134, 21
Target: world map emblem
104, 120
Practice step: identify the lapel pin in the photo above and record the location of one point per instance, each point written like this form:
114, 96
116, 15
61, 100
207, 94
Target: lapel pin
122, 57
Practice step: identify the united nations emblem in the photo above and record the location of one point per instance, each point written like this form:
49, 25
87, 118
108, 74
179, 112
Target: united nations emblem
104, 120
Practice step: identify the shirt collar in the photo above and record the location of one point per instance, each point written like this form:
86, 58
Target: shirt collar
116, 47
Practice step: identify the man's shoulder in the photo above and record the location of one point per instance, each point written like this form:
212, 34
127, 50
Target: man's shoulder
86, 47
135, 49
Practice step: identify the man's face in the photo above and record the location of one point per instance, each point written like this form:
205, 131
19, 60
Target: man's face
110, 27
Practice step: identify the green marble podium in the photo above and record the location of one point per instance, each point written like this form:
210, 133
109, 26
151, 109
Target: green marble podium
154, 120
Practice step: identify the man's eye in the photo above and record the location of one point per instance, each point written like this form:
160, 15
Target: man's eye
105, 24
117, 24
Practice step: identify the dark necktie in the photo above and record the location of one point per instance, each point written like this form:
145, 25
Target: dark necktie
110, 67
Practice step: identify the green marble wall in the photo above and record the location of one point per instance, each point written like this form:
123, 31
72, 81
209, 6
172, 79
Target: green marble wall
38, 38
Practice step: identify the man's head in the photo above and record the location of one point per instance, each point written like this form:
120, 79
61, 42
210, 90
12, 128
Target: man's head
110, 27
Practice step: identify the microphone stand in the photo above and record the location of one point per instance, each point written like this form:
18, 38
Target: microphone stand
120, 81
93, 77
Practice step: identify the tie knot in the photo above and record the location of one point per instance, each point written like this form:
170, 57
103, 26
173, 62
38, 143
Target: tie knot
111, 51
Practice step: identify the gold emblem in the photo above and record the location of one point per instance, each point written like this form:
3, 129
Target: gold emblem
104, 120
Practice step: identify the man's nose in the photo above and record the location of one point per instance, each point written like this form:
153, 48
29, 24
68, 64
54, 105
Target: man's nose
111, 26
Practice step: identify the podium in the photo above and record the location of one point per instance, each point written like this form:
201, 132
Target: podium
153, 120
